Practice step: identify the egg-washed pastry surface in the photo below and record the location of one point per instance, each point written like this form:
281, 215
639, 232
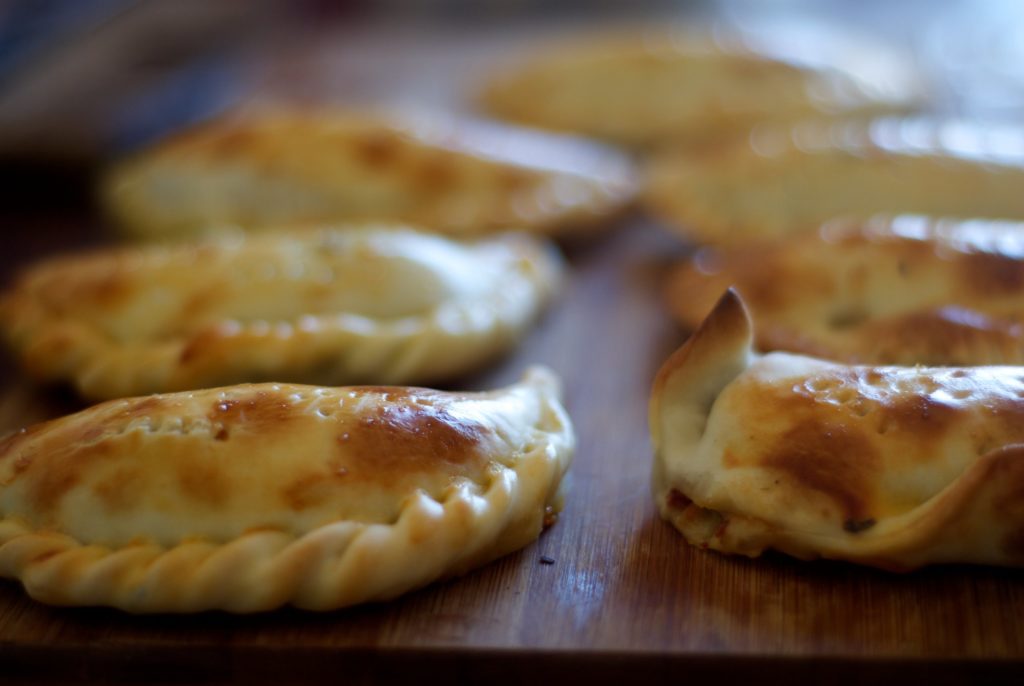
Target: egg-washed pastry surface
642, 88
246, 498
781, 181
370, 304
457, 177
894, 467
891, 290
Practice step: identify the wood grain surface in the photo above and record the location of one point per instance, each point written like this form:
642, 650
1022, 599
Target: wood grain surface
625, 600
625, 597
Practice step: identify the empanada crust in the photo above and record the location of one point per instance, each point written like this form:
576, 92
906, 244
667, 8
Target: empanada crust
461, 177
331, 306
900, 290
650, 87
895, 467
246, 498
782, 181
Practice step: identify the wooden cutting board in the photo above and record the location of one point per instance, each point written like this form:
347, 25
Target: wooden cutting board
625, 597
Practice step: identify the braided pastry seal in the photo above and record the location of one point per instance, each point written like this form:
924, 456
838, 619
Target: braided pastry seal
247, 498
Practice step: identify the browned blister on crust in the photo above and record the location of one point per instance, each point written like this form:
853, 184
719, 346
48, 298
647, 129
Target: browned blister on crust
265, 169
245, 498
780, 181
891, 290
895, 467
341, 305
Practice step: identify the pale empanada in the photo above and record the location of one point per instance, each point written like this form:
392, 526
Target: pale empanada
892, 290
457, 177
370, 304
643, 88
246, 498
783, 181
895, 467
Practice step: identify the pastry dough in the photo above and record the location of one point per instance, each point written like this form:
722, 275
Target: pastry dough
895, 467
457, 177
784, 181
642, 88
905, 290
246, 498
342, 305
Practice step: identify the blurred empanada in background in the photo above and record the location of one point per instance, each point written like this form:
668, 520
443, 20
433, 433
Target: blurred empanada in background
353, 304
891, 290
646, 87
785, 180
250, 497
455, 176
894, 467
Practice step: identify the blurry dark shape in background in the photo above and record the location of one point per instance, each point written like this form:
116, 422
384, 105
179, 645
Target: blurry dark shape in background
82, 81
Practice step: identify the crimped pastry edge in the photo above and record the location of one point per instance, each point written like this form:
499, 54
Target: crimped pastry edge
332, 566
953, 526
453, 338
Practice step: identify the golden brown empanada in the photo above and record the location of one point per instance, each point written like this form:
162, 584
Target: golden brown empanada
246, 498
895, 467
342, 305
892, 290
643, 88
459, 177
785, 181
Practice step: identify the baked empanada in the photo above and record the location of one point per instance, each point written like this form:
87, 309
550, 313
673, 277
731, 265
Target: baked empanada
783, 181
250, 497
894, 467
370, 304
643, 88
892, 290
456, 177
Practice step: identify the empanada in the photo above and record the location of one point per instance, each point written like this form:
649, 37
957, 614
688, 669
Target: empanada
246, 498
642, 88
783, 181
895, 467
892, 290
369, 304
457, 177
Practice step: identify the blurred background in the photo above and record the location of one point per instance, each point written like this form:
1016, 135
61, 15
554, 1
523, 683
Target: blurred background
82, 80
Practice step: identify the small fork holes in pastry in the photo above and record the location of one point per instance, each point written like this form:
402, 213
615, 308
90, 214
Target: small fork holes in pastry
821, 384
845, 395
883, 424
861, 407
